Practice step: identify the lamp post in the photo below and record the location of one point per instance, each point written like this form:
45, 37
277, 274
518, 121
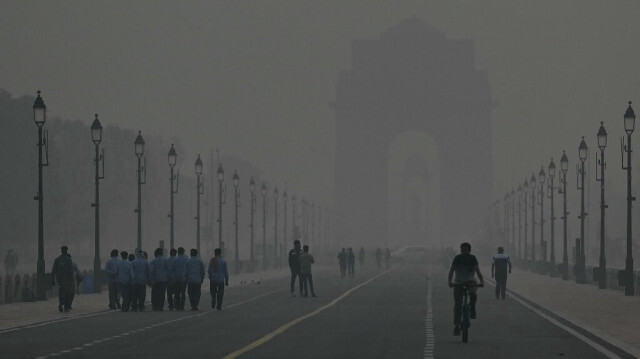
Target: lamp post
172, 157
293, 218
543, 244
139, 150
284, 218
96, 137
505, 210
221, 201
513, 219
581, 275
525, 187
552, 251
602, 144
564, 167
40, 116
629, 124
252, 190
199, 191
264, 226
519, 252
532, 184
236, 182
275, 229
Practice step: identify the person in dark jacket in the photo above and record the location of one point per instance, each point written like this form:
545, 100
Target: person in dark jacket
125, 280
171, 263
294, 266
111, 269
158, 274
63, 273
140, 279
218, 278
351, 262
500, 266
195, 276
180, 277
342, 260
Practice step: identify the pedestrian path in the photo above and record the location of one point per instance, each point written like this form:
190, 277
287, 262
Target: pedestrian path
606, 313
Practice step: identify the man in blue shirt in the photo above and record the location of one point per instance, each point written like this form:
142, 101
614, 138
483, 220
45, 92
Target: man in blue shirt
158, 274
218, 278
171, 263
140, 279
195, 276
125, 280
180, 277
111, 269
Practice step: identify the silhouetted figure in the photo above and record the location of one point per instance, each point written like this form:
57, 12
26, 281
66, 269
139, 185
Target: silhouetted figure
306, 260
342, 259
218, 278
387, 258
361, 257
171, 281
125, 280
63, 273
195, 276
10, 263
180, 275
500, 265
294, 266
158, 274
140, 280
379, 258
351, 262
111, 270
465, 266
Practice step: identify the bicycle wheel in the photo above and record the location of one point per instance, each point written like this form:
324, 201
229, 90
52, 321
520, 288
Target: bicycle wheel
465, 334
464, 324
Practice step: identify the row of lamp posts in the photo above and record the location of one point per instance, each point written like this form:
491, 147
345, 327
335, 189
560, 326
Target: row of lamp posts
580, 257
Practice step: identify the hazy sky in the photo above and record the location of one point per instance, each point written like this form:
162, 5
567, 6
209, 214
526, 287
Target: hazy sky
254, 78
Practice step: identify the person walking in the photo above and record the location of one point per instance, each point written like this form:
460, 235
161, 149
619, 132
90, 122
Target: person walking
63, 273
218, 278
294, 266
500, 265
140, 280
158, 274
125, 280
342, 260
111, 270
171, 281
306, 260
195, 276
351, 262
180, 277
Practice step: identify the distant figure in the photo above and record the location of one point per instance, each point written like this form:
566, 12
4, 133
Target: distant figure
158, 274
140, 279
465, 266
379, 258
218, 278
351, 262
195, 276
180, 276
111, 269
63, 273
361, 257
125, 280
499, 266
387, 257
294, 266
342, 259
11, 262
306, 260
171, 280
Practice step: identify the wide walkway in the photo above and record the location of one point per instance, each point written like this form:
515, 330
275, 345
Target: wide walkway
606, 313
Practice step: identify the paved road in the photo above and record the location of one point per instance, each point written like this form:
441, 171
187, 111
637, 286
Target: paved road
396, 313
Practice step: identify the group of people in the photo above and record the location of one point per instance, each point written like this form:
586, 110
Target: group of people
347, 260
300, 261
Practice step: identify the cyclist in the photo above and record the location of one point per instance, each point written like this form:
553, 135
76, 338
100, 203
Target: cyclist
465, 265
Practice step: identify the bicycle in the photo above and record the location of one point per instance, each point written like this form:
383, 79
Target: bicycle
465, 311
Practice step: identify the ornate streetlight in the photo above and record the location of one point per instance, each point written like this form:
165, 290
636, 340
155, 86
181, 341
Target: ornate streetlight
512, 203
520, 195
199, 191
525, 187
532, 184
293, 219
564, 167
139, 150
602, 144
96, 137
172, 157
236, 182
252, 189
581, 275
552, 188
275, 229
284, 218
221, 201
264, 226
629, 125
40, 117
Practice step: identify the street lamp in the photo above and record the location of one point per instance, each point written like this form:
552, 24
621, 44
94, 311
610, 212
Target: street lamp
629, 124
581, 275
520, 194
293, 219
40, 117
139, 150
252, 189
525, 187
172, 157
532, 184
513, 219
564, 167
221, 201
543, 244
602, 144
236, 182
284, 224
264, 226
275, 237
96, 137
552, 188
199, 191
